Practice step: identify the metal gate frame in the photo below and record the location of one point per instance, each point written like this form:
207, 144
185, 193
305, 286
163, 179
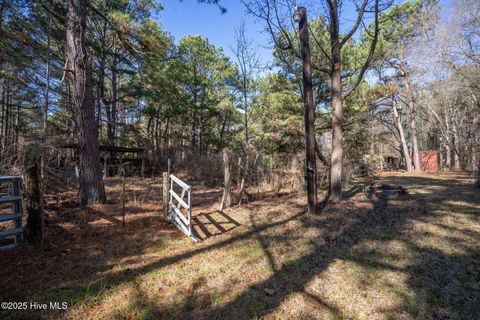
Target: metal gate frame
13, 195
175, 215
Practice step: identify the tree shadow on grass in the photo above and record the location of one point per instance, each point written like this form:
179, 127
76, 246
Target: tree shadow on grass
440, 284
447, 281
76, 291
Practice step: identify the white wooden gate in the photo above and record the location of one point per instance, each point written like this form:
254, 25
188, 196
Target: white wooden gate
180, 214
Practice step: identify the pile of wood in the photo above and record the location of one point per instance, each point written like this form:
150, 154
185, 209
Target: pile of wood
386, 190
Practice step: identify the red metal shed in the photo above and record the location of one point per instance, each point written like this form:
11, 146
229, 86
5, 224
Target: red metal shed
429, 160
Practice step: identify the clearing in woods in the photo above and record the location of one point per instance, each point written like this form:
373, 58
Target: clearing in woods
414, 257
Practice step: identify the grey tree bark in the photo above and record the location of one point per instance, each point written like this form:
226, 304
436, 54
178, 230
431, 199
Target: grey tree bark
227, 181
403, 141
448, 151
456, 151
335, 190
413, 123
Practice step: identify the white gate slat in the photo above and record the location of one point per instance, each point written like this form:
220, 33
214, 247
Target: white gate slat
180, 182
182, 222
179, 214
180, 200
178, 223
181, 197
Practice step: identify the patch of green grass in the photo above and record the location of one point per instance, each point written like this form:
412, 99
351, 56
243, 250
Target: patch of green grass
411, 301
216, 299
156, 274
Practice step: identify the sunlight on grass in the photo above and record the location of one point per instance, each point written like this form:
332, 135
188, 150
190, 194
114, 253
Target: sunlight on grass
364, 259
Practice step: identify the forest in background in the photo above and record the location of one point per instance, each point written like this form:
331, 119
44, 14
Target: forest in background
410, 83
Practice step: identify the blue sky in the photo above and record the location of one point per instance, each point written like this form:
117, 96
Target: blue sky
188, 17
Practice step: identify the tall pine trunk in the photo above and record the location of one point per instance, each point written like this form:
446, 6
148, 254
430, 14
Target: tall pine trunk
43, 167
112, 114
335, 191
92, 189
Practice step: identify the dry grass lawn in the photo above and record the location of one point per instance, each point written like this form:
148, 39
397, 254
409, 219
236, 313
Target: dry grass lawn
414, 257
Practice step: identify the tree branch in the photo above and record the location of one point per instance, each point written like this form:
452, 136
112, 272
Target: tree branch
57, 16
354, 29
370, 53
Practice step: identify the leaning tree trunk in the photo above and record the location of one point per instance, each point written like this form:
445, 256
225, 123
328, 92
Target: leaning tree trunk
456, 152
413, 125
416, 153
406, 156
92, 189
33, 196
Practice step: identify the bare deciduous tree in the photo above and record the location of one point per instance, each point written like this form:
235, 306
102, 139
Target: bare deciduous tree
249, 64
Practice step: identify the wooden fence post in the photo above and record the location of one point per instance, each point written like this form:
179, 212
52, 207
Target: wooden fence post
34, 200
122, 173
227, 183
166, 179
